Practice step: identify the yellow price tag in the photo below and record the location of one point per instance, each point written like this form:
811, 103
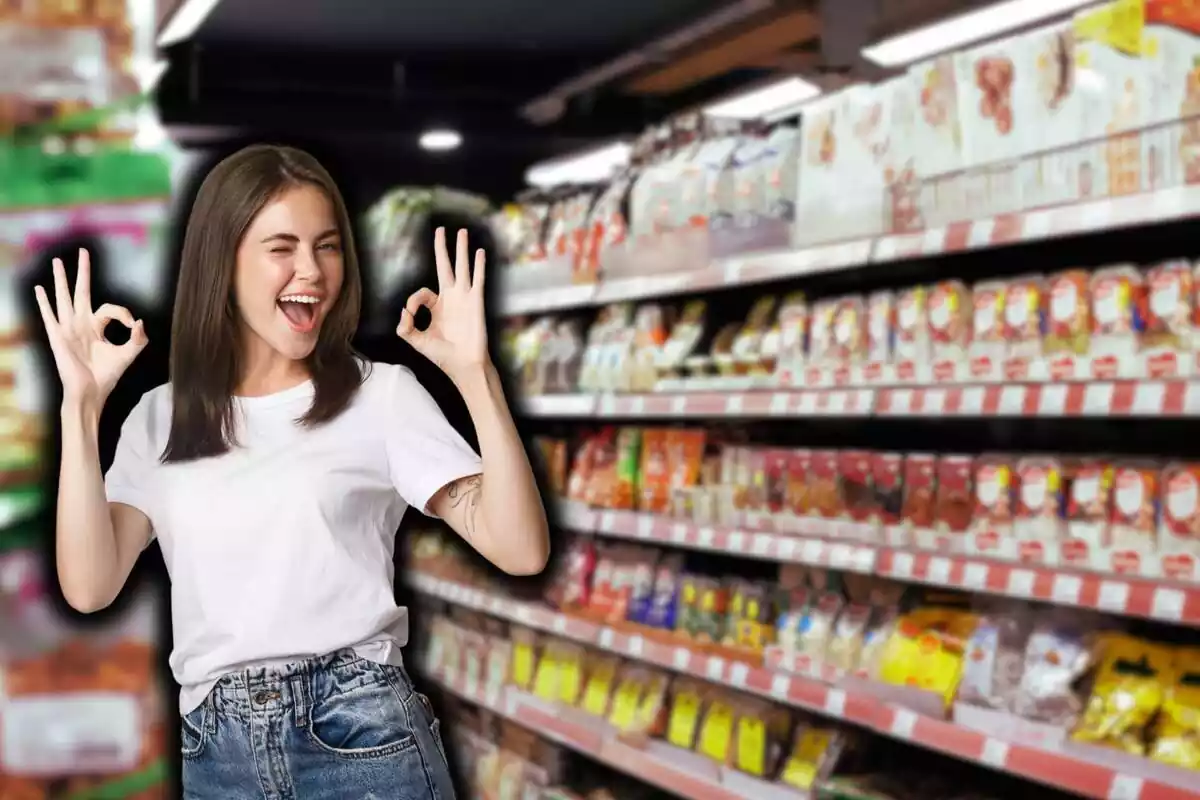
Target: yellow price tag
716, 732
681, 730
752, 746
523, 664
625, 705
595, 698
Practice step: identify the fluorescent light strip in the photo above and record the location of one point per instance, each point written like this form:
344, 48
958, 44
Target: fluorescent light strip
440, 140
589, 167
765, 101
965, 29
187, 19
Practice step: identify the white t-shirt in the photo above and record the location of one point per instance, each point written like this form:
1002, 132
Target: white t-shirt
281, 549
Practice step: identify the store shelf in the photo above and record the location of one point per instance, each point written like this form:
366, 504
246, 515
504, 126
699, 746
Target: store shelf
1130, 398
1087, 773
1164, 205
668, 768
839, 545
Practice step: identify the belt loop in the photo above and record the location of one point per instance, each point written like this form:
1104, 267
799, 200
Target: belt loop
210, 710
300, 697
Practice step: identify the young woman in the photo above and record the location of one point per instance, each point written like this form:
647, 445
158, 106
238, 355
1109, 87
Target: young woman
274, 469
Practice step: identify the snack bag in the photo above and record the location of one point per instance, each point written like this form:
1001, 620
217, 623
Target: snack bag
1089, 502
1135, 506
1069, 322
1058, 653
1127, 694
1169, 297
844, 651
920, 490
716, 736
887, 482
655, 486
1024, 316
955, 493
1177, 734
995, 658
881, 327
799, 495
813, 747
664, 603
687, 706
752, 735
598, 691
625, 489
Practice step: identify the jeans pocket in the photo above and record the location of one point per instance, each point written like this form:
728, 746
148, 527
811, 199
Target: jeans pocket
361, 720
193, 731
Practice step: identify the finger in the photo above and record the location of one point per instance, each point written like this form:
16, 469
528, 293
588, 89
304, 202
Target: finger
137, 337
62, 294
83, 283
421, 297
479, 274
445, 272
43, 302
108, 313
462, 258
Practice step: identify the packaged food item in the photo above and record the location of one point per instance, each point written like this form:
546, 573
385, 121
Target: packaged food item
881, 328
683, 341
793, 337
799, 495
950, 322
1069, 322
845, 647
995, 657
638, 701
572, 584
1179, 529
755, 750
879, 632
1089, 502
1041, 500
849, 332
913, 336
664, 603
814, 750
601, 680
746, 348
776, 463
926, 650
602, 600
825, 496
705, 608
1024, 317
858, 494
1118, 318
920, 490
817, 626
1169, 298
525, 658
628, 449
955, 493
716, 736
643, 572
1135, 506
687, 707
1127, 694
654, 490
995, 490
821, 345
887, 484
1177, 734
1058, 654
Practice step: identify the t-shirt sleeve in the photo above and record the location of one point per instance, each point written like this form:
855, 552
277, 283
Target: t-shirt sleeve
425, 452
128, 479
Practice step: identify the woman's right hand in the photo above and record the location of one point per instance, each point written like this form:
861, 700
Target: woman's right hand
88, 364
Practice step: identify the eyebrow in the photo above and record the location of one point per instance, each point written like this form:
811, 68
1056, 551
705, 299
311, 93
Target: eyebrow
291, 238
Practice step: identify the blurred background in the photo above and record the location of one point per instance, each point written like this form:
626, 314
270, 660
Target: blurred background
854, 339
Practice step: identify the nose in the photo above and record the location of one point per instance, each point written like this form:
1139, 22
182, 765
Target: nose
306, 265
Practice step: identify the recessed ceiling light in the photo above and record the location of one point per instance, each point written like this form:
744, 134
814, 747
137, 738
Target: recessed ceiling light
440, 140
765, 101
188, 17
591, 166
964, 29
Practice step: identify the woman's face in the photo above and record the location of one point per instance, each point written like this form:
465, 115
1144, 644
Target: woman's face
289, 272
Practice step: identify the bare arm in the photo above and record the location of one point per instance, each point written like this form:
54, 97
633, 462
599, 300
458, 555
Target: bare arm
499, 512
97, 542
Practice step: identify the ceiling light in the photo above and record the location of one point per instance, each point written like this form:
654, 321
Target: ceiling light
440, 140
148, 73
765, 100
593, 166
965, 29
187, 19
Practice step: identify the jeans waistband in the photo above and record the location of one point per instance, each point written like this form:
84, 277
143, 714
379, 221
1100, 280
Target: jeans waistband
290, 686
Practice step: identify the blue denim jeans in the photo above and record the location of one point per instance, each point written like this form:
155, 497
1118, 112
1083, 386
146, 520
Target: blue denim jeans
330, 728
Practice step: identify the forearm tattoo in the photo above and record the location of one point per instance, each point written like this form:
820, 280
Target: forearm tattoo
467, 494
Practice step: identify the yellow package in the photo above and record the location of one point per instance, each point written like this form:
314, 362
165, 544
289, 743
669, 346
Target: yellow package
549, 670
627, 700
651, 714
1177, 735
716, 731
686, 705
1128, 692
599, 687
809, 752
570, 674
926, 651
524, 658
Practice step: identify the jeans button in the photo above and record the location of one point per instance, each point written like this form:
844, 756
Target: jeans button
261, 698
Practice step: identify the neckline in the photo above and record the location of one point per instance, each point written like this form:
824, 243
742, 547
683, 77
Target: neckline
302, 389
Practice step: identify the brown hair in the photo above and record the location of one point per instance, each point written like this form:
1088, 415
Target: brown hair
205, 350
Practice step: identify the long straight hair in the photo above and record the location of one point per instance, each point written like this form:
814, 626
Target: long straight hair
206, 350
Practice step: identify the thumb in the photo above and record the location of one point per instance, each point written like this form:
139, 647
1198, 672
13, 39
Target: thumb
407, 330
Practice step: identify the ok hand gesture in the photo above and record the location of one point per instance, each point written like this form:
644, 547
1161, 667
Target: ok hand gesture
456, 339
88, 364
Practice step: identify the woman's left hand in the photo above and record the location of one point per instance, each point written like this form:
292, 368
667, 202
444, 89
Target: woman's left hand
456, 339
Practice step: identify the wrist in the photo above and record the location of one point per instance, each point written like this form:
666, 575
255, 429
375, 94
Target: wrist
471, 376
78, 410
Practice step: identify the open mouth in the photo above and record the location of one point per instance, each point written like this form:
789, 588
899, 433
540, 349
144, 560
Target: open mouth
300, 311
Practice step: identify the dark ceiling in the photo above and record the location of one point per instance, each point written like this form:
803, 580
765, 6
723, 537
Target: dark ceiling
366, 77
